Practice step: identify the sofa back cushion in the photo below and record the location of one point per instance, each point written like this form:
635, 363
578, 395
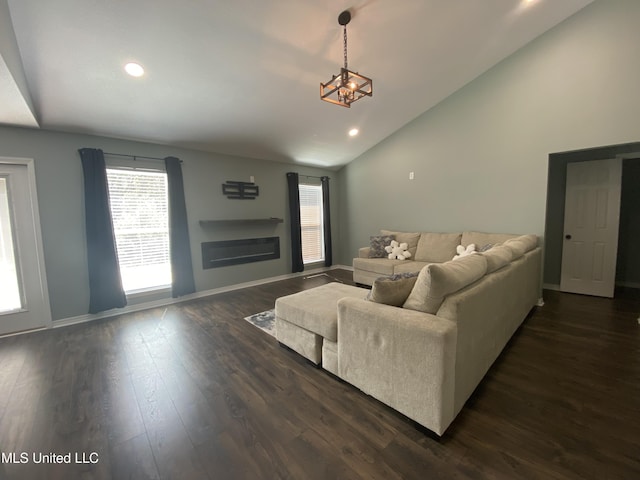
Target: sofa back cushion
410, 238
392, 290
497, 257
521, 245
481, 238
437, 247
438, 280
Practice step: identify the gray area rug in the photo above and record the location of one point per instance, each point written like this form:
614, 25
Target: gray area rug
265, 321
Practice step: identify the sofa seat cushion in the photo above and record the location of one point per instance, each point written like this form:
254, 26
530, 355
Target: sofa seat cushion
438, 280
437, 247
410, 238
382, 266
316, 309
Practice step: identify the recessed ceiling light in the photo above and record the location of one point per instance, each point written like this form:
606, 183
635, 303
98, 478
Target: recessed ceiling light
353, 132
134, 69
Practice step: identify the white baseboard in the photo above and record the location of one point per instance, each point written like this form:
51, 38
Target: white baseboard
552, 286
65, 322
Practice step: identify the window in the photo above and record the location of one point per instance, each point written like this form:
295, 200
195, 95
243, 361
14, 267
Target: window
311, 223
139, 209
10, 299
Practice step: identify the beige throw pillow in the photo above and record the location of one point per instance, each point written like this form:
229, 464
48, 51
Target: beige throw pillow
438, 280
392, 290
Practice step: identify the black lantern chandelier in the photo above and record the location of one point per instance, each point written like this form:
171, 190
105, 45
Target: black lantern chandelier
348, 86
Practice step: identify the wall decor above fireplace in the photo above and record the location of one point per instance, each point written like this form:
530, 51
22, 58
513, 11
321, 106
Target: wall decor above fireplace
240, 190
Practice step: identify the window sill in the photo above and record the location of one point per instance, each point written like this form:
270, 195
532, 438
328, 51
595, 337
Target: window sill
147, 292
314, 264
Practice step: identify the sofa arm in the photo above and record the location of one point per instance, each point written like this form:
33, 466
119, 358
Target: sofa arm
364, 252
404, 358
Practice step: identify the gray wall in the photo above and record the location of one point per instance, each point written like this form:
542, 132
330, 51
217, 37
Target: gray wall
60, 197
480, 157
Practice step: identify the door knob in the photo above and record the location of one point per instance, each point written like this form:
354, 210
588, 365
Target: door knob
568, 237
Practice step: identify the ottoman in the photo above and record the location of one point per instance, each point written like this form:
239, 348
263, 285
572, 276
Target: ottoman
307, 322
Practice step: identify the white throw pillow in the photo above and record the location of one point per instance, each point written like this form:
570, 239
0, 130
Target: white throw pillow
410, 238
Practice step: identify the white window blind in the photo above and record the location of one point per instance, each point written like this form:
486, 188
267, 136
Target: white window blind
311, 222
139, 209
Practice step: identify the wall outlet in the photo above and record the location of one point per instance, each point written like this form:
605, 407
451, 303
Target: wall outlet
252, 179
411, 176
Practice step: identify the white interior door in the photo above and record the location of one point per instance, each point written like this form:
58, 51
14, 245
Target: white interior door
24, 301
591, 217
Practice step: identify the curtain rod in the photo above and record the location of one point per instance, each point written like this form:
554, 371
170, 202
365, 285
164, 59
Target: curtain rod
135, 157
312, 176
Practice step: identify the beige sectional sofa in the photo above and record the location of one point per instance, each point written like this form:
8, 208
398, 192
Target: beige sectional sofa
426, 356
425, 248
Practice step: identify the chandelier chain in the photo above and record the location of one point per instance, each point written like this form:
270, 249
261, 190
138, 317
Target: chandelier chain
345, 48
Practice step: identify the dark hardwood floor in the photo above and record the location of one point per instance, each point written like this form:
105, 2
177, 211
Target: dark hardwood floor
192, 391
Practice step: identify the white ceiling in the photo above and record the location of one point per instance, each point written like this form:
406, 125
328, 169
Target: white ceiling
242, 76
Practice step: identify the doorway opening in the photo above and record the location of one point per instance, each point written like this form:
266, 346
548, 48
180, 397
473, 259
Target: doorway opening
628, 256
24, 302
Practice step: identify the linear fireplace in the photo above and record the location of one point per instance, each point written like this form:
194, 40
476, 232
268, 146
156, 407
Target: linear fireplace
233, 252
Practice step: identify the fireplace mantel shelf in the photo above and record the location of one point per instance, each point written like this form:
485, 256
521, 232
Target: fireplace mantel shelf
241, 221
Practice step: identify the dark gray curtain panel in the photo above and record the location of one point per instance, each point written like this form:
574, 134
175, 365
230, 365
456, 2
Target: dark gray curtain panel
328, 250
179, 245
105, 283
297, 264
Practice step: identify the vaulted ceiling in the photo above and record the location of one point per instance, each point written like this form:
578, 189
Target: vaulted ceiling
242, 77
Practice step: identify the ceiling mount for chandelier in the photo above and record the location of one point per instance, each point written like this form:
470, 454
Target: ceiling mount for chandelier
346, 87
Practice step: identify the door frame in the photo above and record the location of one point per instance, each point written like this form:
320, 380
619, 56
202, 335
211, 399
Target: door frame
29, 163
556, 185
